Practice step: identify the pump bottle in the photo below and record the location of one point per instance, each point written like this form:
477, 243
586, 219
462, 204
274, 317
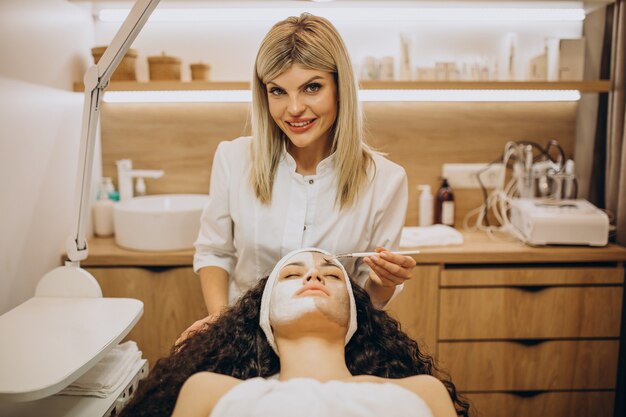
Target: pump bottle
103, 209
426, 206
444, 209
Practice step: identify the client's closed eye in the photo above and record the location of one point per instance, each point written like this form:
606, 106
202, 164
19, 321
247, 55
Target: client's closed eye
291, 276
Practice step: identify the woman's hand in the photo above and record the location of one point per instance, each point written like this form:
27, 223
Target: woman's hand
389, 269
196, 326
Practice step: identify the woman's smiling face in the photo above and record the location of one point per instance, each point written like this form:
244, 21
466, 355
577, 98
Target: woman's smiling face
310, 283
303, 103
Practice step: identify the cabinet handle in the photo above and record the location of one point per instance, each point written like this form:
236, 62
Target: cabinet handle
532, 288
529, 342
157, 269
528, 394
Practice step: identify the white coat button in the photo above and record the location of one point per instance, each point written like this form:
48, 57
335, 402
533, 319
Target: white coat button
311, 181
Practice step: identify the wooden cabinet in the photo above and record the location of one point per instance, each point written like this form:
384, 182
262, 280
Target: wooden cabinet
532, 339
571, 403
172, 300
416, 307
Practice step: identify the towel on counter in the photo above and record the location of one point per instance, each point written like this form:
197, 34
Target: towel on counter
435, 235
305, 397
107, 375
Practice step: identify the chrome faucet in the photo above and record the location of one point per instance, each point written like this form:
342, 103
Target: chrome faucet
126, 173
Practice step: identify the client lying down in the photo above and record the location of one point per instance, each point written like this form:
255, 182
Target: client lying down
323, 347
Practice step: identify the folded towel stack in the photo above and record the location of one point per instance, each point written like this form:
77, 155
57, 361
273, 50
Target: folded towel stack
435, 235
108, 374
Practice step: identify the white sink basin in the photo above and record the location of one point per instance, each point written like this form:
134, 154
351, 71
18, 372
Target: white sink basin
158, 222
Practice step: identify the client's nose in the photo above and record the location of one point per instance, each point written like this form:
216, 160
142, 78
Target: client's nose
314, 275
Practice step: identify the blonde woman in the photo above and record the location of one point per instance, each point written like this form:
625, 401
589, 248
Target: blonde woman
304, 178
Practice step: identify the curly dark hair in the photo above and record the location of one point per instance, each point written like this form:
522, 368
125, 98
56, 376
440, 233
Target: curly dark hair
235, 345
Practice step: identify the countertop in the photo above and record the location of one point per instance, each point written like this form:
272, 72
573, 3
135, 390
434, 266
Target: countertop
477, 248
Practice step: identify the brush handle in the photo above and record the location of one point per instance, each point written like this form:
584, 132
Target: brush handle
364, 254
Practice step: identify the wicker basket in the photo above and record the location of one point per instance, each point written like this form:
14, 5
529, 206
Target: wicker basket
200, 72
125, 71
164, 68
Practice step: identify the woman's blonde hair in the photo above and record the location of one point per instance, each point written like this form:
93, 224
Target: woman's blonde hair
314, 43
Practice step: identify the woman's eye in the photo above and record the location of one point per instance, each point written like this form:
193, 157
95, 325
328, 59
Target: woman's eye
333, 276
313, 88
275, 91
291, 276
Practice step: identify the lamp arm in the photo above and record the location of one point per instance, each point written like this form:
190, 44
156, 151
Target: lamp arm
96, 80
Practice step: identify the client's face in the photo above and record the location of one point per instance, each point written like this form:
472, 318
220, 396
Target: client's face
310, 283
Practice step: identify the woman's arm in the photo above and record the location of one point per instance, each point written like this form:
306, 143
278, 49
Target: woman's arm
215, 255
378, 292
201, 392
214, 282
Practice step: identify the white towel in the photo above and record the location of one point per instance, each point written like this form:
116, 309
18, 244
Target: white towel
107, 375
305, 397
435, 235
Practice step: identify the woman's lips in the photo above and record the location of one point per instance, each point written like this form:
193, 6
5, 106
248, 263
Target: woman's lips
312, 288
291, 125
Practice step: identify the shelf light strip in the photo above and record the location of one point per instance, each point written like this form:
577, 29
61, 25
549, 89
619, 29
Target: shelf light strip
354, 14
245, 96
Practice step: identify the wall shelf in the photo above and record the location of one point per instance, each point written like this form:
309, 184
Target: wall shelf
593, 86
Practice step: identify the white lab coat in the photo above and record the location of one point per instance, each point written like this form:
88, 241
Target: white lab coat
246, 238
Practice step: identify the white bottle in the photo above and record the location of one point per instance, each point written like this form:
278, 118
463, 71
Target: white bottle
426, 206
103, 211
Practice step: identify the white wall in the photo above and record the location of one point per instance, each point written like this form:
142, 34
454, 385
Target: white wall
44, 45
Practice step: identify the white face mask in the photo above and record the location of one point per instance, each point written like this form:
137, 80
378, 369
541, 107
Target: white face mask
287, 305
309, 270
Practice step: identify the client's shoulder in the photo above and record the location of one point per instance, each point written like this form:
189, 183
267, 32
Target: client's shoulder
431, 390
211, 380
201, 392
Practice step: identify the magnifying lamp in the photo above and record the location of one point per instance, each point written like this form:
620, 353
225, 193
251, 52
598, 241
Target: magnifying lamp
67, 327
70, 279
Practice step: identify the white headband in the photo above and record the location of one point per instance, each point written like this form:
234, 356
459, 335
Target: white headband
264, 319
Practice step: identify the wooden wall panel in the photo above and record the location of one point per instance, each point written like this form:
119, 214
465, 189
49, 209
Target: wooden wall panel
181, 138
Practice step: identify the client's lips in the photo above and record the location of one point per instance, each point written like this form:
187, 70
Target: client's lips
312, 286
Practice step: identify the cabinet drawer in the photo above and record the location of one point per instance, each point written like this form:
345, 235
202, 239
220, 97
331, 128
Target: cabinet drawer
523, 312
553, 404
527, 276
545, 366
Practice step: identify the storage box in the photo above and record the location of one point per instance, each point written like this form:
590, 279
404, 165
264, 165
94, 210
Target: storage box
200, 72
164, 68
125, 71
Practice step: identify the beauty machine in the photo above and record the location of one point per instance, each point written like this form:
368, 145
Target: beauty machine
539, 205
562, 222
74, 325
